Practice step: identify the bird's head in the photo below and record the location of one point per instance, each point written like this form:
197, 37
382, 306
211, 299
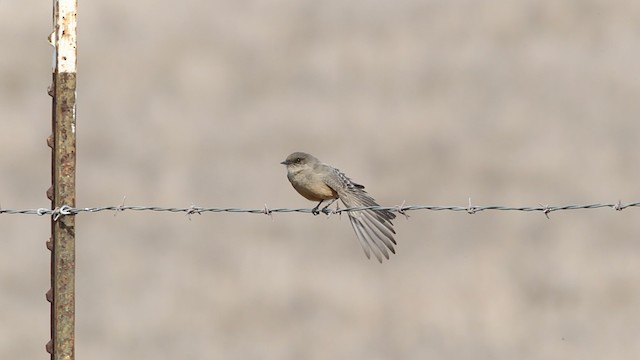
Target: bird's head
299, 161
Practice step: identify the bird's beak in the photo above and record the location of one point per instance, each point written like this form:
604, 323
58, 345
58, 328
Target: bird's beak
284, 162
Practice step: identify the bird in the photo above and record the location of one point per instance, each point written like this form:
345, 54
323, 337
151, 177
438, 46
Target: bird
320, 182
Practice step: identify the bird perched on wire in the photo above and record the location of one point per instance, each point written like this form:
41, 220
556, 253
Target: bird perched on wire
321, 182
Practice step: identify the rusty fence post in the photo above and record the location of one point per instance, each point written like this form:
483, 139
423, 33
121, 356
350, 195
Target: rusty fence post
63, 177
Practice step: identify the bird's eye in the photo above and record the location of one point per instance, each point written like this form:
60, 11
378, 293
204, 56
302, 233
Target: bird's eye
297, 160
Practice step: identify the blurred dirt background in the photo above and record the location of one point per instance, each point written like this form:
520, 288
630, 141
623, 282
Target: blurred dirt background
428, 102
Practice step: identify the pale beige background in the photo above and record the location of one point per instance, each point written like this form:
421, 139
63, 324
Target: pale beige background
196, 102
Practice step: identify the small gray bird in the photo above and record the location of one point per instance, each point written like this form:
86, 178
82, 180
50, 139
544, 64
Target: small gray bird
319, 182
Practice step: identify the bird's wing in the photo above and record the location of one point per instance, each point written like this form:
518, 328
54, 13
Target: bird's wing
373, 227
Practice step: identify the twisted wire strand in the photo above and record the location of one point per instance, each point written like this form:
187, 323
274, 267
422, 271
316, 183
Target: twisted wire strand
402, 209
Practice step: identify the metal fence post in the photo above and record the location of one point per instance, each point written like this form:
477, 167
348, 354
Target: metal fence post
63, 173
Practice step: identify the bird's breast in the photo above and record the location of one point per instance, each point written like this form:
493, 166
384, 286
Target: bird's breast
312, 188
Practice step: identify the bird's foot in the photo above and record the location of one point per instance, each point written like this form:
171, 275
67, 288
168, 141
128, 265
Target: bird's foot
326, 209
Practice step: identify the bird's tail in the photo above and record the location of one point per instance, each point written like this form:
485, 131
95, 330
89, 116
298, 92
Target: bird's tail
373, 228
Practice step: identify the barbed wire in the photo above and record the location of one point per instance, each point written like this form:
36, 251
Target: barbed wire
401, 209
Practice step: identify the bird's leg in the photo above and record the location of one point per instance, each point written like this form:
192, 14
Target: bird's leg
315, 210
326, 208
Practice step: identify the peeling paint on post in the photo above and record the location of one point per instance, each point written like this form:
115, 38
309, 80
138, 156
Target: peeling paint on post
63, 90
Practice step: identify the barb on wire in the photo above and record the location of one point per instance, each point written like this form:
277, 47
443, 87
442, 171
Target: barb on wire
471, 209
193, 210
546, 211
118, 208
401, 209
